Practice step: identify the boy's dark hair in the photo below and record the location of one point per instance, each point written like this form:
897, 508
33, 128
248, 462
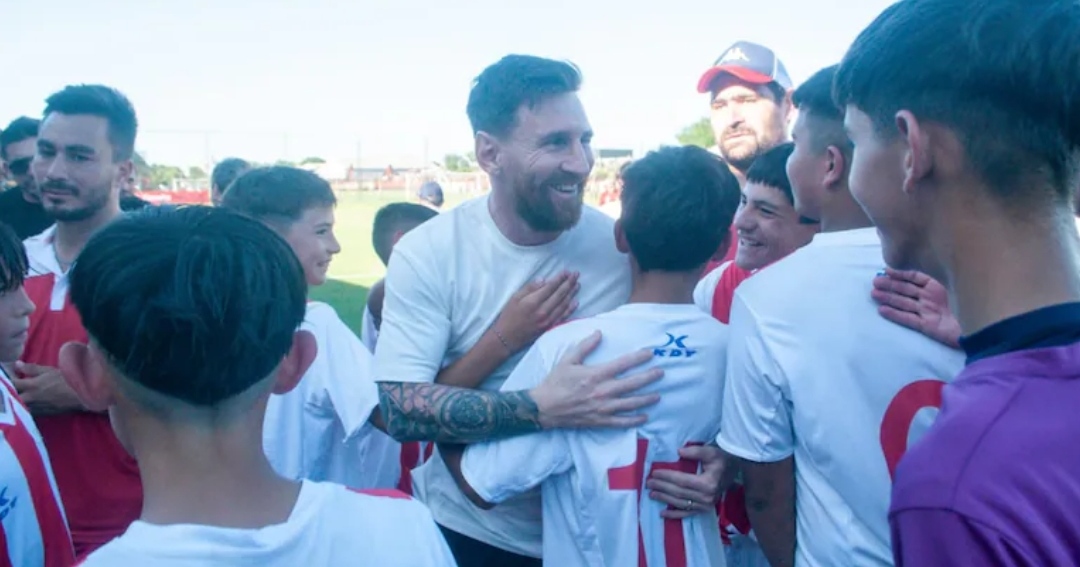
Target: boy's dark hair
513, 81
770, 168
22, 128
823, 117
392, 218
1002, 74
105, 102
677, 207
278, 194
197, 304
13, 262
226, 171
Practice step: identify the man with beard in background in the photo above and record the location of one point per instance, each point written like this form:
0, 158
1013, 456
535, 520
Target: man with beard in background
20, 206
749, 95
84, 151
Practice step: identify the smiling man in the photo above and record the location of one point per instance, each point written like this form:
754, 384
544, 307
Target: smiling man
449, 278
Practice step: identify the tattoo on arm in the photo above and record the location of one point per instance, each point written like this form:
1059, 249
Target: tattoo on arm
431, 412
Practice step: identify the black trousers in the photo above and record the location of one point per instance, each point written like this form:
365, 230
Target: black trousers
469, 552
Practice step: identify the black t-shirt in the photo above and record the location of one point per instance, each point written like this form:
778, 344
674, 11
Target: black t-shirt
27, 219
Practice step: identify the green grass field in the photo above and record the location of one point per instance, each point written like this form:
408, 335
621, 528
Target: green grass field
357, 267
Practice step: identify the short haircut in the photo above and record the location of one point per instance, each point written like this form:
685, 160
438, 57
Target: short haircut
1002, 74
677, 207
278, 195
392, 218
226, 171
22, 128
13, 262
770, 168
104, 102
823, 116
194, 304
513, 81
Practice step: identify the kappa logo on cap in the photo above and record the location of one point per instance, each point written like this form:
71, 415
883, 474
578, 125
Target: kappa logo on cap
735, 54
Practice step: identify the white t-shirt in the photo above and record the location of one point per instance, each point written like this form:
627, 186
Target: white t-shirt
592, 481
330, 525
369, 335
447, 281
319, 430
814, 371
34, 528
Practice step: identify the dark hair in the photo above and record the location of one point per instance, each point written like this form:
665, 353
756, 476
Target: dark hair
22, 128
105, 102
392, 218
225, 172
777, 91
13, 261
1001, 73
513, 81
822, 115
277, 194
770, 168
195, 303
677, 207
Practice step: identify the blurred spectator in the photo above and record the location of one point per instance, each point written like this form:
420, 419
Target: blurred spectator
225, 172
20, 207
431, 195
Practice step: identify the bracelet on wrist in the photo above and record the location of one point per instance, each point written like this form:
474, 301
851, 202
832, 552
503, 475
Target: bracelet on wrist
502, 340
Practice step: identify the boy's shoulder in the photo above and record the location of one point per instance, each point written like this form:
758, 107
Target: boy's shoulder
625, 321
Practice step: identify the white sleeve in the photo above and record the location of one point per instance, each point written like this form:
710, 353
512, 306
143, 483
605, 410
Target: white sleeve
706, 287
756, 418
499, 470
350, 383
368, 333
415, 328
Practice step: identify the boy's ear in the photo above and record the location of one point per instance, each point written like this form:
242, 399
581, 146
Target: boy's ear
296, 363
621, 243
84, 370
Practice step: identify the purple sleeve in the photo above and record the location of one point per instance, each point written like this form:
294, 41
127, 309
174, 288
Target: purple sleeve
932, 537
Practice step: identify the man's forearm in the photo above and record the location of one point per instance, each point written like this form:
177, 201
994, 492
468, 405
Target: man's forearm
432, 412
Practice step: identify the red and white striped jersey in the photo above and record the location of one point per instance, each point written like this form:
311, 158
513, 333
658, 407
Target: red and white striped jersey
34, 530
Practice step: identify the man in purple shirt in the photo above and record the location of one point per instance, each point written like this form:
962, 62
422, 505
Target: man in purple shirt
965, 115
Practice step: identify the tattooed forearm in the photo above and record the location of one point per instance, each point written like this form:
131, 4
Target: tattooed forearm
431, 412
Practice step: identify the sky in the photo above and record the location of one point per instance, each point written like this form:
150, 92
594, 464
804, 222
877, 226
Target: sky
386, 81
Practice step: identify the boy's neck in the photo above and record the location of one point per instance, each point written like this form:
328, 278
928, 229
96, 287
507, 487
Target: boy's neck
844, 213
999, 268
209, 474
663, 287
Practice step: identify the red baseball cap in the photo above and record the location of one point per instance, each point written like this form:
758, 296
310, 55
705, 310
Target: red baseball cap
749, 62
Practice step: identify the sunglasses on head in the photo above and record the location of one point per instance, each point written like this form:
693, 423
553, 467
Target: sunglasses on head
20, 166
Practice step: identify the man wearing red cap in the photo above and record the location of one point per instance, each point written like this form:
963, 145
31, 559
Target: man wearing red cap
750, 97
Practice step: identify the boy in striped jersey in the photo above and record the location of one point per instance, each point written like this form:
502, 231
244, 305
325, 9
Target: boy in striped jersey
33, 529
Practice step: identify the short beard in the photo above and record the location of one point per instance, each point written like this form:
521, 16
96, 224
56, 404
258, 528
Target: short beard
542, 216
88, 210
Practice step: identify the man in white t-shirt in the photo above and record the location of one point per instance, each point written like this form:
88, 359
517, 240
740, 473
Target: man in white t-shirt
677, 205
319, 430
816, 379
449, 277
187, 343
35, 530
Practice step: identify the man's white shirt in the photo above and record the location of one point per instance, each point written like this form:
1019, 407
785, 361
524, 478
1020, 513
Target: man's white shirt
446, 283
329, 525
812, 371
594, 500
320, 430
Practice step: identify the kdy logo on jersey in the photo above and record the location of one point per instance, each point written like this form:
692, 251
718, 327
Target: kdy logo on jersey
675, 347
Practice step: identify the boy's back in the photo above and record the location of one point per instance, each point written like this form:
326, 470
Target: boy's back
592, 480
330, 525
